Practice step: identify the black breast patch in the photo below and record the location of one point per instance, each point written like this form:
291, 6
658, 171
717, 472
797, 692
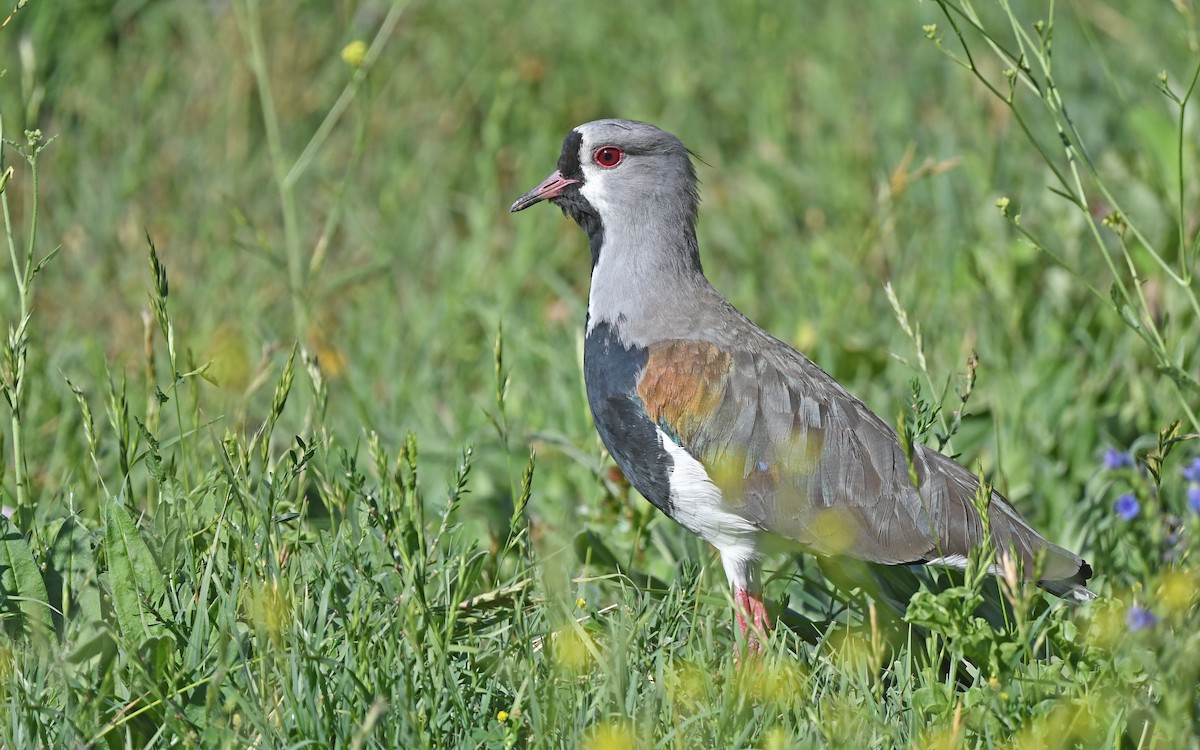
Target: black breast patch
611, 372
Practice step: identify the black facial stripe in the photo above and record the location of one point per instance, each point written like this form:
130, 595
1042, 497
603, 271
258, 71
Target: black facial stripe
571, 201
574, 205
568, 162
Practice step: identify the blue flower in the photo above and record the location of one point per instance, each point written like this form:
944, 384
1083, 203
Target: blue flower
1192, 471
1115, 459
1140, 618
1127, 507
1193, 498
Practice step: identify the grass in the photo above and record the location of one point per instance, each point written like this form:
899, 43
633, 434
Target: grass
321, 472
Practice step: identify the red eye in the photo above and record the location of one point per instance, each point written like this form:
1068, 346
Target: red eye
608, 156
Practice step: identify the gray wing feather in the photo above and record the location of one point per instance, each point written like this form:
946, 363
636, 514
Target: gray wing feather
803, 458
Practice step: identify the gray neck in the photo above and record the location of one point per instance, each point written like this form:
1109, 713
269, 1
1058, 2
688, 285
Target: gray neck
647, 278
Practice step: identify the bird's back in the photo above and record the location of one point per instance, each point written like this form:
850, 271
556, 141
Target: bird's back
798, 456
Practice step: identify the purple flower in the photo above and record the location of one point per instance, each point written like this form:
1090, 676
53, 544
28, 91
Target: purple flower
1127, 507
1115, 459
1140, 618
1192, 471
1193, 497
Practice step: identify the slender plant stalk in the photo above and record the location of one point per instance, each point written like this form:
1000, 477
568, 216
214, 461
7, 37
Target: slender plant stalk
348, 93
1039, 52
17, 351
287, 176
1186, 253
251, 24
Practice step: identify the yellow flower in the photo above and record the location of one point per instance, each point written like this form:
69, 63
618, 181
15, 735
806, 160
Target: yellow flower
616, 735
777, 739
574, 651
1176, 589
354, 53
580, 602
502, 716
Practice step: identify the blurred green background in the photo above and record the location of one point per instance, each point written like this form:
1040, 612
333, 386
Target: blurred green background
840, 150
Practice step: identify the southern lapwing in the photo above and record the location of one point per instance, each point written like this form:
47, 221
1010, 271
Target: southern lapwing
731, 432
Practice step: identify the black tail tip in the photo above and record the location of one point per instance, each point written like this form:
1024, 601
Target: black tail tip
1085, 571
1074, 588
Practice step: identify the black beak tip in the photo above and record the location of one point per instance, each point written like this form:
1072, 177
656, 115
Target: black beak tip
524, 202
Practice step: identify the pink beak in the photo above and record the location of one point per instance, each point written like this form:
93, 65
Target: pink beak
551, 187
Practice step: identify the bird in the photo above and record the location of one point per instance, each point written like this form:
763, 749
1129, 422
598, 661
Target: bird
731, 432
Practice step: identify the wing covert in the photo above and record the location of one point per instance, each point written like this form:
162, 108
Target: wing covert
799, 456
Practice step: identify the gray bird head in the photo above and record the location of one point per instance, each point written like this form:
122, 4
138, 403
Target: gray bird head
615, 176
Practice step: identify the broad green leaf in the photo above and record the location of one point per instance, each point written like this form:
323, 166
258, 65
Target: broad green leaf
21, 586
99, 644
155, 654
72, 577
139, 594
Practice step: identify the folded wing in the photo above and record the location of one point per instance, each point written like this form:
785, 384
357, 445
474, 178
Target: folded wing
797, 455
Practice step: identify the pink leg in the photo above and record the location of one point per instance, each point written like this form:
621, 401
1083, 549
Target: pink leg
751, 604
